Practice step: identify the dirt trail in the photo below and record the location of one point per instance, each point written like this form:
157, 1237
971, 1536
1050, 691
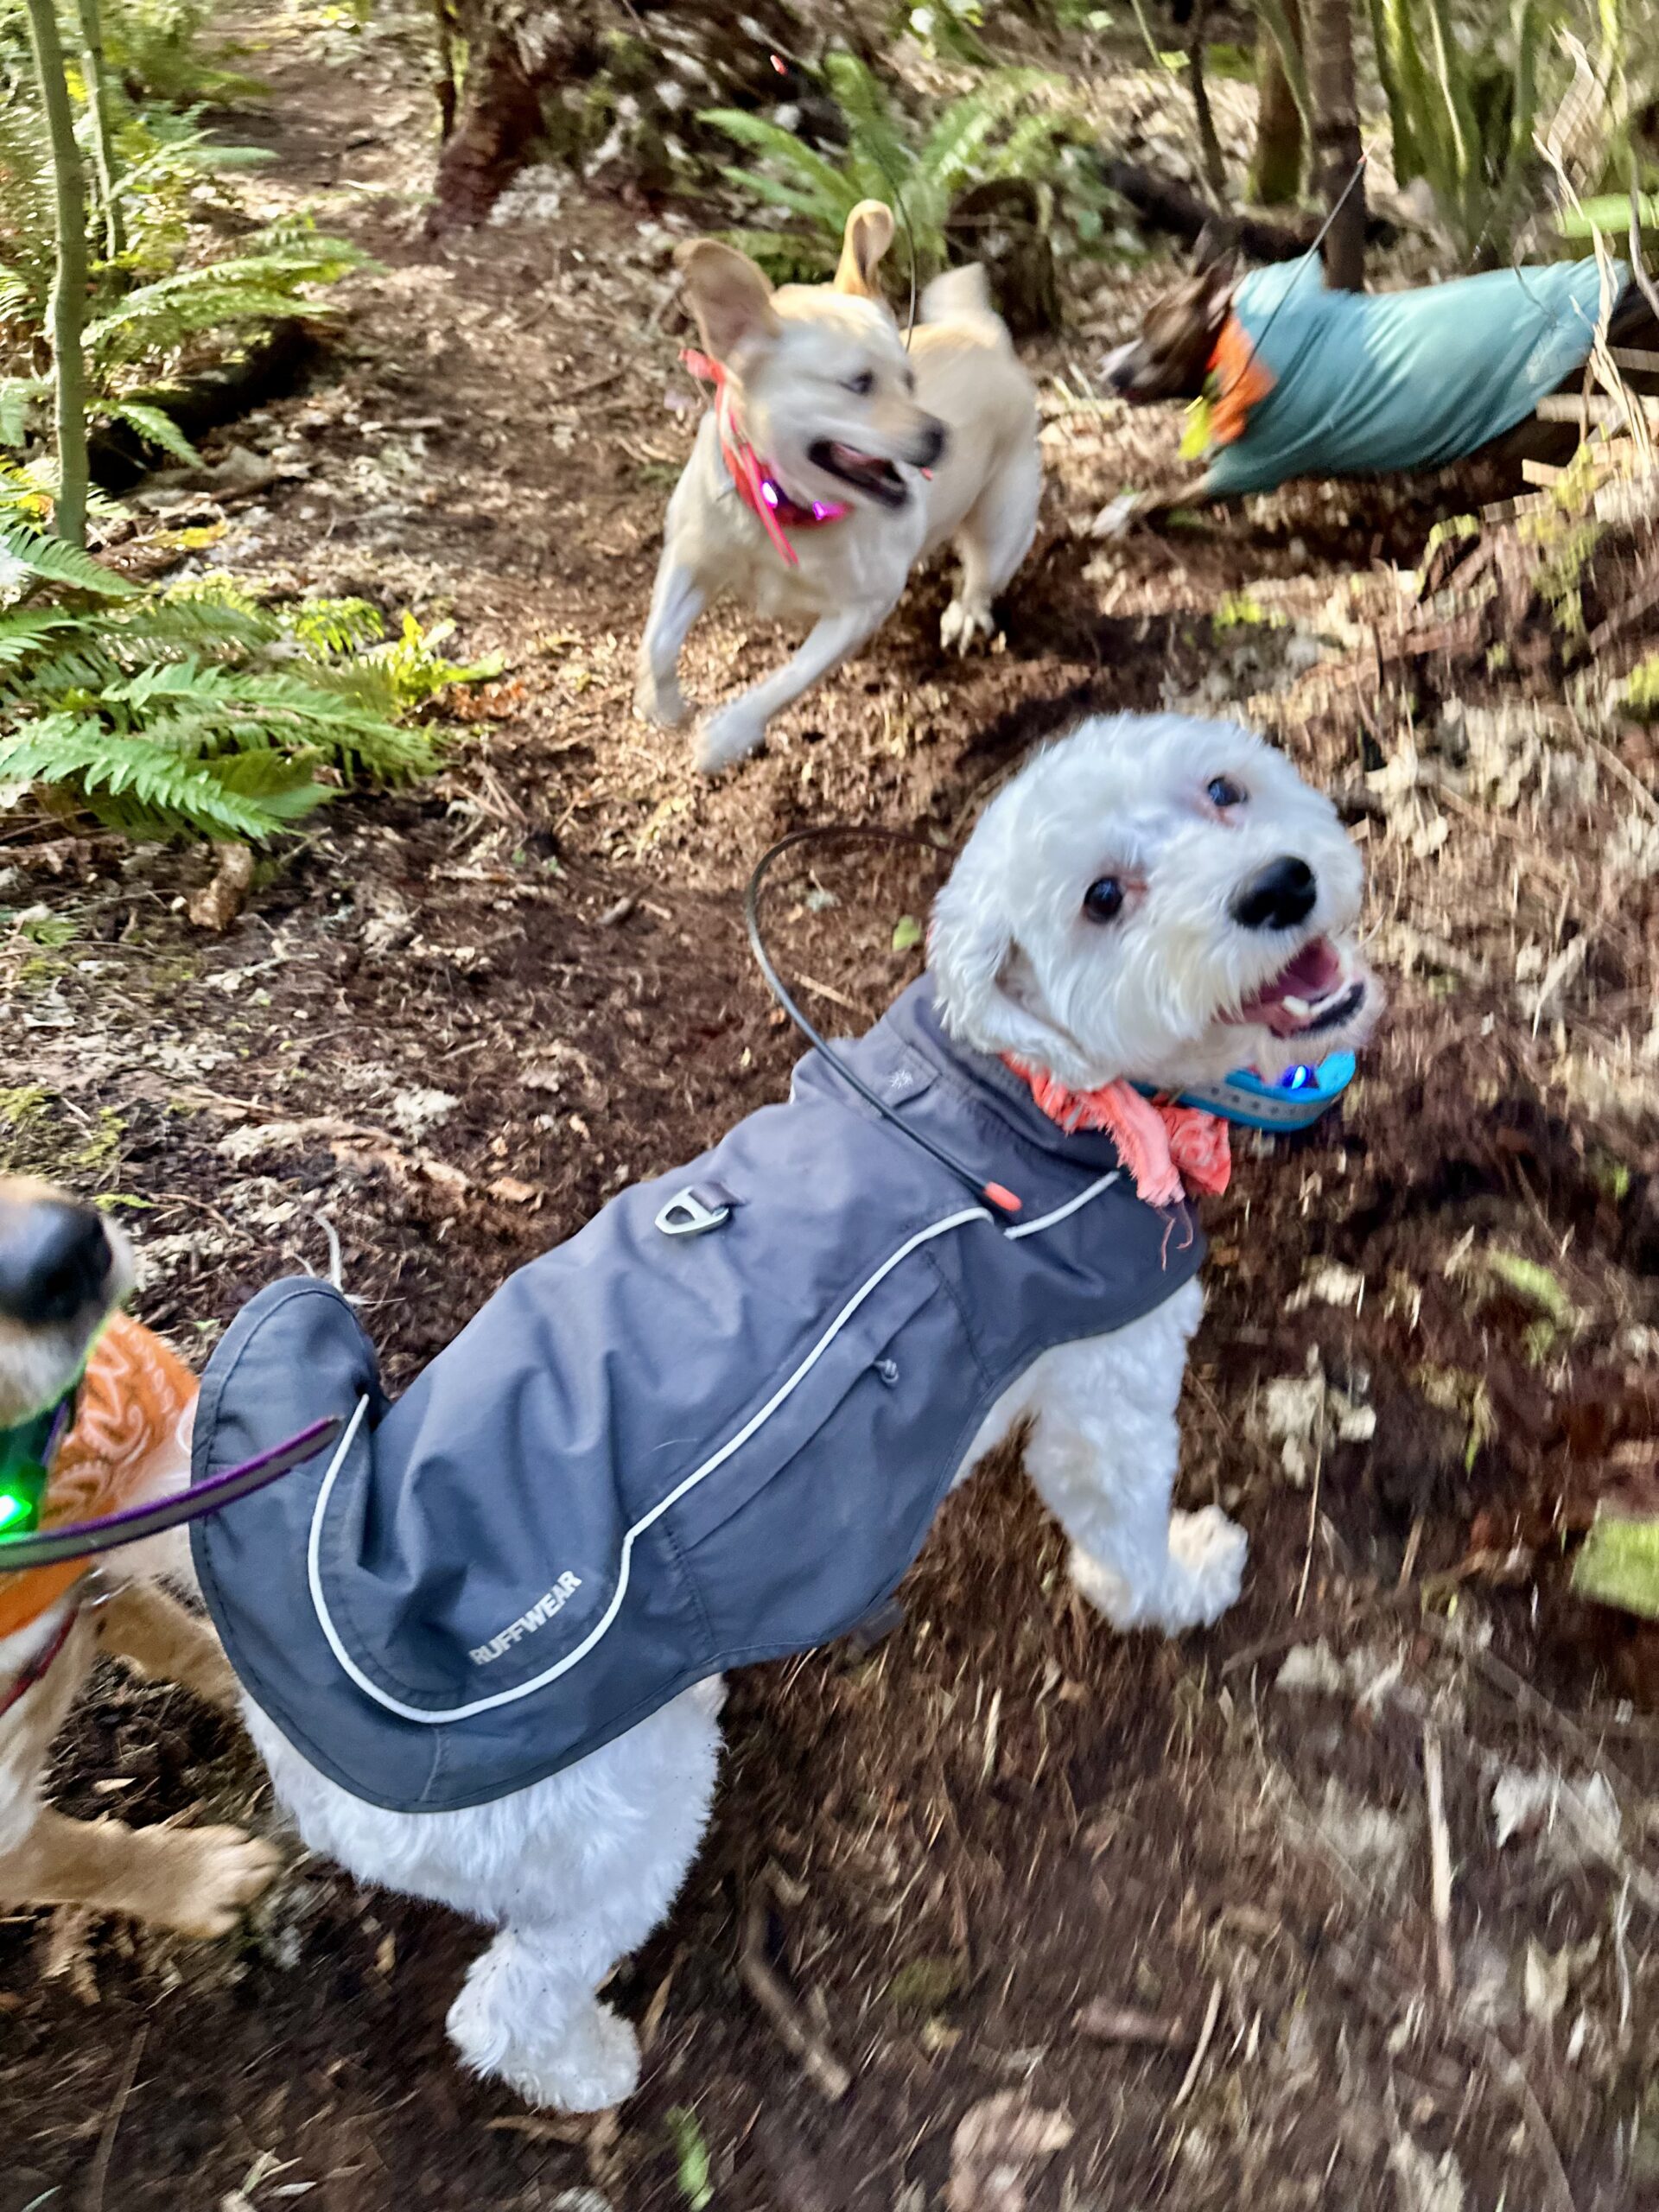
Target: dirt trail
453, 1022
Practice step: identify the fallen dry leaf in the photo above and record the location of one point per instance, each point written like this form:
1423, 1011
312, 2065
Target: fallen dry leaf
512, 1192
996, 2149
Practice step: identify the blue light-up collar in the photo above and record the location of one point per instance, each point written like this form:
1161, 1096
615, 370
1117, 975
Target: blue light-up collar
1295, 1101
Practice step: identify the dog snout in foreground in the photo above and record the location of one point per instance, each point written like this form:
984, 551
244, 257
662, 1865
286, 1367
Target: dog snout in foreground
1281, 897
55, 1261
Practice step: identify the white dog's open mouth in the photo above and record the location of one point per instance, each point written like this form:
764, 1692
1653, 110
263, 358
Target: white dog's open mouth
1312, 992
865, 472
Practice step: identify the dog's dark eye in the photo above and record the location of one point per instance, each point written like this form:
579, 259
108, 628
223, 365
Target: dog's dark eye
1103, 898
1223, 791
863, 384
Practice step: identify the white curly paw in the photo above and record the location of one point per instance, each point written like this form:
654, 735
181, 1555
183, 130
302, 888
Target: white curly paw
1199, 1579
1206, 1568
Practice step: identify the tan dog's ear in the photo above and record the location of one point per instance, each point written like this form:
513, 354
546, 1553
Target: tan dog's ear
866, 238
730, 296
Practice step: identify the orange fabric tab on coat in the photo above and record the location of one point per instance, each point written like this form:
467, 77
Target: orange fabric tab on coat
1243, 379
135, 1395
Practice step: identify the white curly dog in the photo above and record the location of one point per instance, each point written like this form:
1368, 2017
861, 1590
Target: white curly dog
1154, 898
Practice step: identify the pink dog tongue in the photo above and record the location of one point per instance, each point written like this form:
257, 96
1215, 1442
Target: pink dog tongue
1314, 972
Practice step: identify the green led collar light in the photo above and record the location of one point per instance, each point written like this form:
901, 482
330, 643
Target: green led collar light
26, 1454
21, 1491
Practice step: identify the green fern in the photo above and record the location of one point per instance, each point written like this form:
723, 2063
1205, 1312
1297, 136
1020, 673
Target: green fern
1008, 127
198, 710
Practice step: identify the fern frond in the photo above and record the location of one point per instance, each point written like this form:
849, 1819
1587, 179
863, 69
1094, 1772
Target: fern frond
19, 395
811, 204
23, 633
336, 626
154, 424
765, 137
32, 554
129, 780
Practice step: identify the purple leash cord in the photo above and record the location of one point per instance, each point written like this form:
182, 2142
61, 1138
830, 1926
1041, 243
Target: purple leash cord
81, 1539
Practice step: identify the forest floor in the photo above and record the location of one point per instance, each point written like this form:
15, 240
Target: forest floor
1171, 1899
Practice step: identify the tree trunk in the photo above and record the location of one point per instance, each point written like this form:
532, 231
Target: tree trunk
561, 79
69, 283
1337, 149
1276, 175
500, 120
1215, 167
90, 16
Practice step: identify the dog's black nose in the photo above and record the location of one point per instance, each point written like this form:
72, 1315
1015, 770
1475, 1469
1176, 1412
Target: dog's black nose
1282, 896
930, 447
54, 1261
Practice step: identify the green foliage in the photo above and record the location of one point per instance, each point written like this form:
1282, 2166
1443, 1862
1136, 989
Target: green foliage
197, 709
1610, 214
1006, 129
948, 29
691, 2158
161, 50
176, 294
1619, 1566
1463, 109
1640, 696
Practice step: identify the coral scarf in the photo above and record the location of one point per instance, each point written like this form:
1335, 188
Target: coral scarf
1168, 1150
133, 1400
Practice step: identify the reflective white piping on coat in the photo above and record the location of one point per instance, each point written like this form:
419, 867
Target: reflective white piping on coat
428, 1718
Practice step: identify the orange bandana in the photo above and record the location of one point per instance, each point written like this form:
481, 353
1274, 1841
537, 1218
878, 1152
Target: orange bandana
1242, 381
1168, 1150
135, 1395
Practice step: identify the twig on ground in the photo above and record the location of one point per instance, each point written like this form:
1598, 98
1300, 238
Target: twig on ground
835, 997
818, 2063
100, 2167
1213, 2013
1532, 1702
1558, 2195
1312, 1526
1104, 2022
1439, 1863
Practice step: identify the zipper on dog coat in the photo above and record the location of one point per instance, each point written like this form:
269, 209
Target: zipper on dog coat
713, 1427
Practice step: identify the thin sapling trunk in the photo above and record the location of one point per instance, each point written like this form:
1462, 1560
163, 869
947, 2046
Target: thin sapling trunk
69, 283
91, 18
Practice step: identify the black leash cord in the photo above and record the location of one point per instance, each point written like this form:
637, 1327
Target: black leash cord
992, 1194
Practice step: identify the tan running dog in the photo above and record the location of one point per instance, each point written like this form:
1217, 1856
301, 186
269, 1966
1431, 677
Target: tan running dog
833, 461
63, 1270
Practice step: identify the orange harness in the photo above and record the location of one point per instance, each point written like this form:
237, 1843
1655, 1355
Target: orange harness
1242, 381
133, 1400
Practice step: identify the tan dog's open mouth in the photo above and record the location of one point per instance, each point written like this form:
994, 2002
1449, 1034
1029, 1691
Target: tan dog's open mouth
865, 472
1312, 993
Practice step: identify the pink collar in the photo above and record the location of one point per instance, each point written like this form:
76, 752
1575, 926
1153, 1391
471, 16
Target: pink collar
756, 486
1167, 1149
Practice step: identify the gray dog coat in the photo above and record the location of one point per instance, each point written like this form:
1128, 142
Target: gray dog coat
714, 1427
